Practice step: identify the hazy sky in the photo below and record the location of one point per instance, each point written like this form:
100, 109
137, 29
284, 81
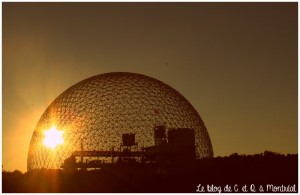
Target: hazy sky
235, 62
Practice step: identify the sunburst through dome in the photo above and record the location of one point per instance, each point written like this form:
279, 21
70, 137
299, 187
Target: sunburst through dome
95, 112
53, 137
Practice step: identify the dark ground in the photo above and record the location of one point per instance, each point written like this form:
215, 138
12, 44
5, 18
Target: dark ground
235, 171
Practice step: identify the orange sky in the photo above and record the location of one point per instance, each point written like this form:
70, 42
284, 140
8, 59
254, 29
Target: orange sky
235, 62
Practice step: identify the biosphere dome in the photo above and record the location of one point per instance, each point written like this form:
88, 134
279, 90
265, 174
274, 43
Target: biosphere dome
94, 113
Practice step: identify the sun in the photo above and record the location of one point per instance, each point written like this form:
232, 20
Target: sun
53, 137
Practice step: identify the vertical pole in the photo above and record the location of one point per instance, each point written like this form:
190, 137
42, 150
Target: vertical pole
112, 155
81, 157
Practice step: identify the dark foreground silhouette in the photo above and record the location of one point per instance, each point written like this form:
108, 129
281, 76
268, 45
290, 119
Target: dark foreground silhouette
270, 172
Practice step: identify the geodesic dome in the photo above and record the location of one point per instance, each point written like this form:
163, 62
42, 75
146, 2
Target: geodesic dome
95, 112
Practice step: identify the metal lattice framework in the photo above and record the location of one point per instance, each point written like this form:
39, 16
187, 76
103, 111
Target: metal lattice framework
96, 111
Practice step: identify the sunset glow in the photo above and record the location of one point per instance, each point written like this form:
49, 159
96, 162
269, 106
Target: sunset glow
53, 137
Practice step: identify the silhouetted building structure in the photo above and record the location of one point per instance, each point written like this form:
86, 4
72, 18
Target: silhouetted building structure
178, 146
160, 136
181, 144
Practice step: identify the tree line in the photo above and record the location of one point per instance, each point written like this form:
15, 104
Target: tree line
267, 168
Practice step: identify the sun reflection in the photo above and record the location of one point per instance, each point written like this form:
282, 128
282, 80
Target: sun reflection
53, 137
